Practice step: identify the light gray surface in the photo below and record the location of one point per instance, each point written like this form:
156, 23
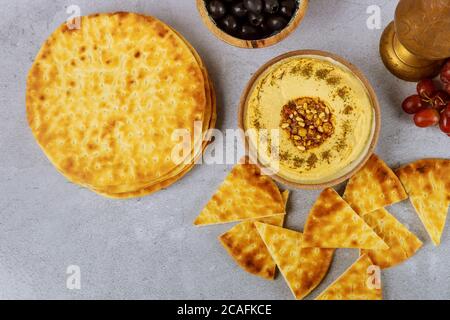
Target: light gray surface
148, 248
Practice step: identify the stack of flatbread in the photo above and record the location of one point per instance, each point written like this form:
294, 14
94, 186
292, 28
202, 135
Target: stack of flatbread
358, 220
121, 105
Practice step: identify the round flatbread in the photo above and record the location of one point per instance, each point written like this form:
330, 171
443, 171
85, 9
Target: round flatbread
104, 100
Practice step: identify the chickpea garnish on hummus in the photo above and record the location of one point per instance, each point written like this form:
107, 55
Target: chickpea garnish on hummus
308, 122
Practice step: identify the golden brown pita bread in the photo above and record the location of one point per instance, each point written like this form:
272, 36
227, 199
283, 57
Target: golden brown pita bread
428, 185
90, 104
374, 187
332, 223
244, 244
302, 268
209, 121
402, 243
245, 194
354, 284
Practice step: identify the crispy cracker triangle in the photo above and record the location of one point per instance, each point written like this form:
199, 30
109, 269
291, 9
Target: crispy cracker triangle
373, 187
302, 268
355, 284
402, 243
245, 194
428, 185
277, 220
244, 244
332, 223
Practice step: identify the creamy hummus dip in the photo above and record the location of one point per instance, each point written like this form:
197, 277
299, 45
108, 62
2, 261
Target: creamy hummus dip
305, 83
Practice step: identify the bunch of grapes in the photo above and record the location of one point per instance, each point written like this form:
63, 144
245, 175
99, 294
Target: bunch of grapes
431, 105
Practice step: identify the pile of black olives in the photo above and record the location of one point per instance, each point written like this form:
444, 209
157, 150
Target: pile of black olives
252, 19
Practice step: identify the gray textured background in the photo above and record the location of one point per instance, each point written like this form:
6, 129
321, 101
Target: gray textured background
148, 248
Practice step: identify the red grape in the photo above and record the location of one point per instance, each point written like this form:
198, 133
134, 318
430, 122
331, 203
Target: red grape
412, 104
426, 88
445, 73
426, 118
444, 124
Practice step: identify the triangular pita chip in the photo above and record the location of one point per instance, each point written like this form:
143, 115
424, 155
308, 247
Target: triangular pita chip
357, 283
277, 220
245, 194
302, 268
402, 243
332, 223
244, 244
373, 187
428, 185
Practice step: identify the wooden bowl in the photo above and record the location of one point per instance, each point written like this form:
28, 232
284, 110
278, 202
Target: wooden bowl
252, 44
357, 73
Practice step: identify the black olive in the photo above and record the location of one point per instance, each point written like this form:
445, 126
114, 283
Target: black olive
287, 12
255, 19
287, 8
276, 23
217, 9
255, 6
239, 10
230, 23
271, 6
249, 32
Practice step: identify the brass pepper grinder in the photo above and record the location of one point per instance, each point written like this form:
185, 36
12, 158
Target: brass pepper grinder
415, 45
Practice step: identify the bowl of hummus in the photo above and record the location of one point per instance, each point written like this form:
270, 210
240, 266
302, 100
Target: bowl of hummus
310, 119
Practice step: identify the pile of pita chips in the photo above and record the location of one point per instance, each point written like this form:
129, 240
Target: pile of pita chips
428, 185
245, 194
360, 282
357, 220
259, 243
302, 268
374, 187
246, 247
332, 223
371, 189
